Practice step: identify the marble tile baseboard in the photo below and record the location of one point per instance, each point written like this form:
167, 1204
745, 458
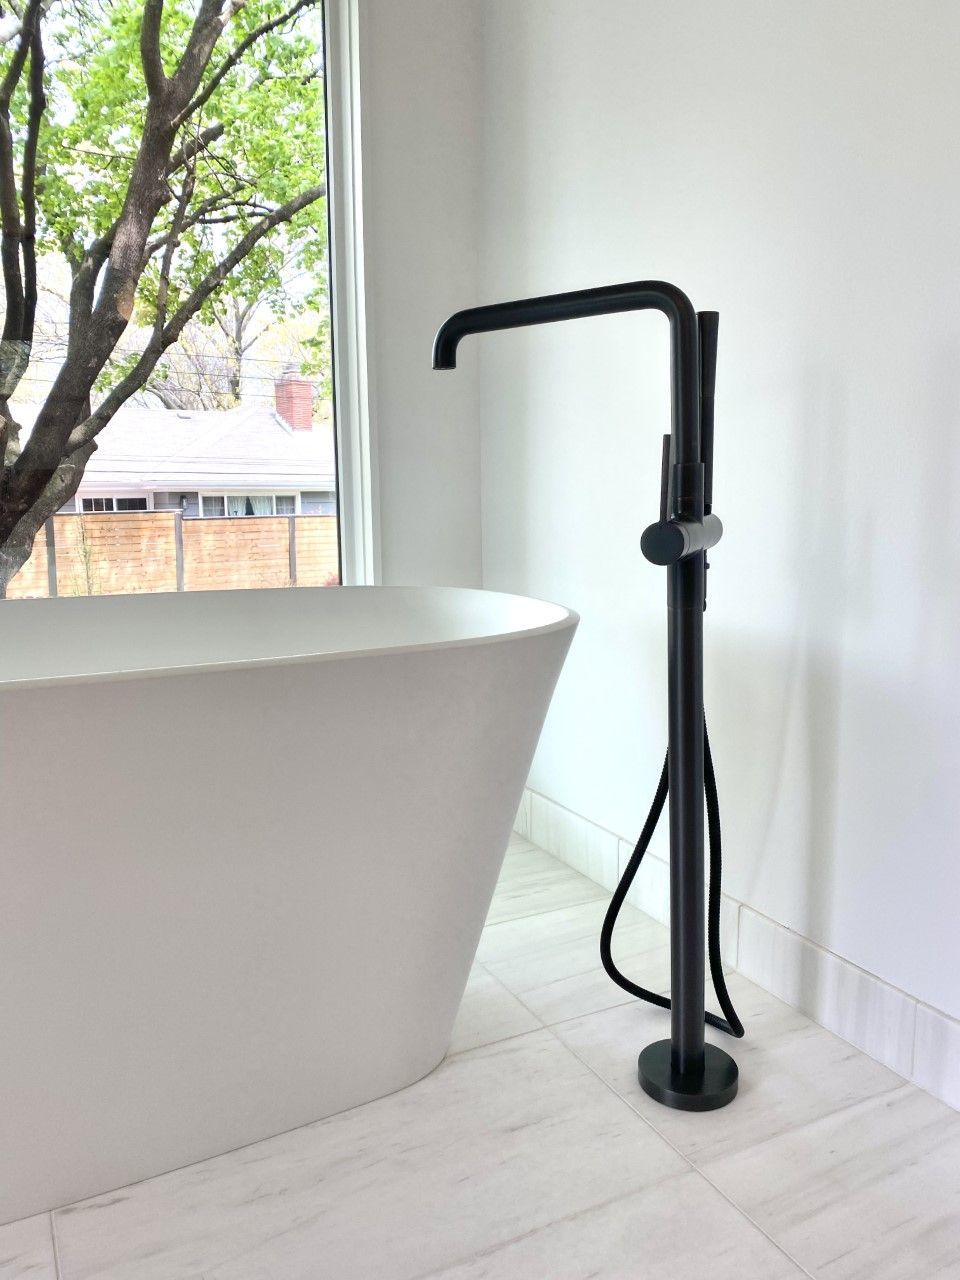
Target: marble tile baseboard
867, 1012
917, 1042
936, 1063
580, 844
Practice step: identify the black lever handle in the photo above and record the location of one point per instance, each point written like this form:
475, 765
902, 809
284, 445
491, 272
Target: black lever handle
668, 541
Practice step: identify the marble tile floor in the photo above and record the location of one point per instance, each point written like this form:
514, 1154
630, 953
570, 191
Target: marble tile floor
532, 1153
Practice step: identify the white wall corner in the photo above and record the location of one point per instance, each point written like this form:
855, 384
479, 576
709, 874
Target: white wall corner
729, 930
582, 845
521, 824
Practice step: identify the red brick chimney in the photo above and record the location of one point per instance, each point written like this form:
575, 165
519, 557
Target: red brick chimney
293, 395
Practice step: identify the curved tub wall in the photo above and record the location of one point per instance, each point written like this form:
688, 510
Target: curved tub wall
236, 901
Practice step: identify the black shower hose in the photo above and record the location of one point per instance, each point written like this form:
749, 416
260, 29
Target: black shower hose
731, 1024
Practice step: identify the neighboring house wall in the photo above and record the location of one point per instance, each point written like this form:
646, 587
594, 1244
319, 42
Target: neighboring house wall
171, 502
312, 503
318, 504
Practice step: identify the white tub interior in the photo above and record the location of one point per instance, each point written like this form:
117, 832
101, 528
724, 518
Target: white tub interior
108, 636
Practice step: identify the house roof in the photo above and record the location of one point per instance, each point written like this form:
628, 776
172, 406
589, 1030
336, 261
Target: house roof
164, 450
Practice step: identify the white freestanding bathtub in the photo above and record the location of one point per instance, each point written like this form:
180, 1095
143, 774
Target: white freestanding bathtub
248, 843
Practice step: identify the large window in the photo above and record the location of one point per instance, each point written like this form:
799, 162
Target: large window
216, 398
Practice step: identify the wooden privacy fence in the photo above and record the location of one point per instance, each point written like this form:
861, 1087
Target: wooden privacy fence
115, 554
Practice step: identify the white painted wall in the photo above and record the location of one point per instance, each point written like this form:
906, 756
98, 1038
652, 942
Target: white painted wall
419, 73
797, 168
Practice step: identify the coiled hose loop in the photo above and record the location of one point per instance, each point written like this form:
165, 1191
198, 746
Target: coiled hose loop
731, 1024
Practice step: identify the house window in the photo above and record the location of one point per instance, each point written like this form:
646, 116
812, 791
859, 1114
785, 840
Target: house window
114, 504
250, 504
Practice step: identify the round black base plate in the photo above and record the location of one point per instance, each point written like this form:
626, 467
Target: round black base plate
705, 1090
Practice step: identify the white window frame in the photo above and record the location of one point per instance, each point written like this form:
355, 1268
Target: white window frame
113, 496
249, 492
358, 489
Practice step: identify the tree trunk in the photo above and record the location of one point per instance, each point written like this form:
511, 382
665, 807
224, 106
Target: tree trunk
15, 549
14, 554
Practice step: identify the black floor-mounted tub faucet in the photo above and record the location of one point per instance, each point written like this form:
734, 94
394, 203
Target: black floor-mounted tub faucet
684, 1071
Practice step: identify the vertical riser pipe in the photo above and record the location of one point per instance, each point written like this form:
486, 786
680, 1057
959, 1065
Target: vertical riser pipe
685, 716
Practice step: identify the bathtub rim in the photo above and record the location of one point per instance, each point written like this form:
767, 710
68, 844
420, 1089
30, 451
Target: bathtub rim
569, 620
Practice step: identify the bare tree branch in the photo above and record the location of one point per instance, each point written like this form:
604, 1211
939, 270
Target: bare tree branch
28, 182
153, 71
236, 54
88, 263
207, 29
173, 242
9, 434
15, 70
138, 375
202, 215
198, 143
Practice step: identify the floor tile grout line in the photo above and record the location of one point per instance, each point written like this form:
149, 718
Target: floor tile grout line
527, 915
515, 1035
490, 1044
644, 956
846, 1106
533, 1014
58, 1270
574, 1017
643, 1119
691, 1166
496, 924
683, 1156
628, 999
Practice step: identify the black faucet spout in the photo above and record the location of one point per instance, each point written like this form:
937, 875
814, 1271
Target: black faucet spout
639, 295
